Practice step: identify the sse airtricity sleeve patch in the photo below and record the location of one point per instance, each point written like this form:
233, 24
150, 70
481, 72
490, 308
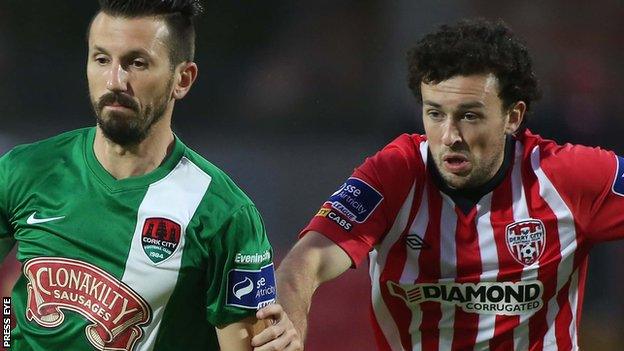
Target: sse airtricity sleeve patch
251, 288
355, 199
618, 183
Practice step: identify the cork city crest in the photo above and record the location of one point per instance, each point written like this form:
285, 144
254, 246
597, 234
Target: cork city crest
57, 285
160, 238
526, 240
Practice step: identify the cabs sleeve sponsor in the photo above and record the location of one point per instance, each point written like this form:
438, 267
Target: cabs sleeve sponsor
355, 199
335, 218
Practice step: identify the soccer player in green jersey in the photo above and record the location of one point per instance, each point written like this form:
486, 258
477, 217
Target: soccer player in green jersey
128, 239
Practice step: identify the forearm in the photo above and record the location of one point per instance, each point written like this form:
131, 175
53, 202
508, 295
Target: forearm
314, 260
295, 289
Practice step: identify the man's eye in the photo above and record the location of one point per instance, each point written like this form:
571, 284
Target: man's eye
433, 114
139, 64
471, 116
101, 60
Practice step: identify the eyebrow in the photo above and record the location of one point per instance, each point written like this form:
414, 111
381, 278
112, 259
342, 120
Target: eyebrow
135, 52
464, 106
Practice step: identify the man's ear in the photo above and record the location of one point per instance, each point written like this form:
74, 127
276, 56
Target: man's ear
186, 73
516, 116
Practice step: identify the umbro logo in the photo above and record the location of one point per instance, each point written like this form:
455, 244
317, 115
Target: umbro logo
415, 242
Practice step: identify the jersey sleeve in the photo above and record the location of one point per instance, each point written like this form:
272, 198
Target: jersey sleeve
358, 215
6, 234
241, 275
592, 180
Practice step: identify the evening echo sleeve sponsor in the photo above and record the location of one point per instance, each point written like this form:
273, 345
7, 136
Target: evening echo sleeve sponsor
360, 212
241, 276
592, 184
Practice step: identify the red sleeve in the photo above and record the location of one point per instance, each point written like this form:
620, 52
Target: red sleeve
592, 184
358, 215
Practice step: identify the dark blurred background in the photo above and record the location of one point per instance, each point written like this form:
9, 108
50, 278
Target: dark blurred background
292, 95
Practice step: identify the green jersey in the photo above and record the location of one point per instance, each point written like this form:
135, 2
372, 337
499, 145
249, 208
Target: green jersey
153, 262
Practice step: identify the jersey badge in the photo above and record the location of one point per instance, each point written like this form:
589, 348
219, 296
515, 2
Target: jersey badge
251, 288
526, 240
618, 183
160, 238
355, 199
116, 313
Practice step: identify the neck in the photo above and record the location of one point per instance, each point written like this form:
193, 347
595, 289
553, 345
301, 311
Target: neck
136, 160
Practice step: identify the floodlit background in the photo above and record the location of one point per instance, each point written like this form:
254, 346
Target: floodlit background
292, 95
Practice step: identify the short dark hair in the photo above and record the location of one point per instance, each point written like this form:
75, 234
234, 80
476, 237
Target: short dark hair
178, 15
475, 47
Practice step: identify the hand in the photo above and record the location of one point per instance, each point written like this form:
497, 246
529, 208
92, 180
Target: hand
279, 335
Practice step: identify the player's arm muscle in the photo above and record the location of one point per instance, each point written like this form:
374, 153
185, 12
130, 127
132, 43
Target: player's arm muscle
237, 336
314, 260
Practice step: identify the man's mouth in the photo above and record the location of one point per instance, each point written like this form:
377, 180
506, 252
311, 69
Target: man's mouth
456, 163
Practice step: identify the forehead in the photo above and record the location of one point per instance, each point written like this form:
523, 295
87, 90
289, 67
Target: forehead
120, 34
459, 89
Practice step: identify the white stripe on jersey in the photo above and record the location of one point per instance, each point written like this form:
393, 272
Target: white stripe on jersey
174, 197
448, 268
521, 212
567, 241
378, 257
489, 254
411, 271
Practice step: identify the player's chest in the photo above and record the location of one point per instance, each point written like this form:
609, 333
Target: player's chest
487, 243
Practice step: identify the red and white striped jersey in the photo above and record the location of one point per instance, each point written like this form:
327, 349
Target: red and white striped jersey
509, 275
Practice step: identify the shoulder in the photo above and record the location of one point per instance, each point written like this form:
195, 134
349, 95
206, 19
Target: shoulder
223, 196
41, 154
403, 154
569, 156
577, 168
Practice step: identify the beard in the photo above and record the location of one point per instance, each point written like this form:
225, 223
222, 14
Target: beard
132, 127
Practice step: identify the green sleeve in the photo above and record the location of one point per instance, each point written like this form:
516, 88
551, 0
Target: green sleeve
6, 234
240, 276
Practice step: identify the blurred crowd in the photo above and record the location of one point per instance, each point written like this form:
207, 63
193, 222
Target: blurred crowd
293, 94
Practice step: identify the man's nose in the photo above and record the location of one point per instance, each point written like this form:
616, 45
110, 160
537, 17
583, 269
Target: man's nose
117, 78
451, 134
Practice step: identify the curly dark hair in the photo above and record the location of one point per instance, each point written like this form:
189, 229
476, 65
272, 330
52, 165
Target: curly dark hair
178, 15
474, 47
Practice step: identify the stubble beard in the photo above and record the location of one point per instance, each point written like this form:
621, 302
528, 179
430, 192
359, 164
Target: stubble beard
129, 129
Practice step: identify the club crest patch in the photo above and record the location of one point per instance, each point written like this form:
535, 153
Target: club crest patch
160, 238
526, 240
355, 199
251, 288
618, 183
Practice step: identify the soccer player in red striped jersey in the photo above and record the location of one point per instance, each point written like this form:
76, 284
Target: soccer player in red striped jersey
478, 232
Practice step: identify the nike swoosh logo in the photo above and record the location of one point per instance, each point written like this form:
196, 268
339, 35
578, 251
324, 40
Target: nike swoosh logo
33, 220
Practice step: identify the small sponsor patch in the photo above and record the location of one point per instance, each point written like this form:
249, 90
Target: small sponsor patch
618, 183
355, 199
251, 289
160, 238
526, 240
254, 258
336, 218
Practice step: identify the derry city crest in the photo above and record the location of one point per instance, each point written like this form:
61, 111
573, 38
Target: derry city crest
526, 240
57, 285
